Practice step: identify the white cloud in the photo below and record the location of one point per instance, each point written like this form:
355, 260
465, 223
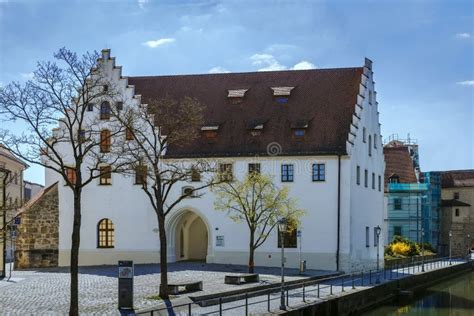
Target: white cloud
27, 76
141, 3
159, 42
268, 62
302, 65
185, 29
463, 35
466, 83
218, 70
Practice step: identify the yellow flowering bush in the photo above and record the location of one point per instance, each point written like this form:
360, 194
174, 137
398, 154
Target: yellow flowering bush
400, 248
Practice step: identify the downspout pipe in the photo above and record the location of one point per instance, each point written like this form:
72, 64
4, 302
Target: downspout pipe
338, 212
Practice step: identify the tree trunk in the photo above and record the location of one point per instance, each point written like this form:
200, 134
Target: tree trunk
76, 229
163, 258
251, 251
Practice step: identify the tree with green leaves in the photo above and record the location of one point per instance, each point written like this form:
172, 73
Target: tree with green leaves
259, 203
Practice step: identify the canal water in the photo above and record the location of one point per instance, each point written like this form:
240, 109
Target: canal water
454, 297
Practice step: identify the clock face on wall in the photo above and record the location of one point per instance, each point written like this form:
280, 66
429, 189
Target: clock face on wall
125, 272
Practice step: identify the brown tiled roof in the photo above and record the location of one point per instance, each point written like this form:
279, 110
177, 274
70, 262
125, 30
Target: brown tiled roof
325, 98
399, 162
453, 202
457, 178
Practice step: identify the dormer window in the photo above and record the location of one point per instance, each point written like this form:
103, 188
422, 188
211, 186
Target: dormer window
90, 107
255, 128
394, 178
119, 106
282, 91
210, 131
282, 94
236, 95
299, 129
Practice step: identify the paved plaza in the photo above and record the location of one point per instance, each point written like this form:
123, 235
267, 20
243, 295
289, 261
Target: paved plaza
46, 291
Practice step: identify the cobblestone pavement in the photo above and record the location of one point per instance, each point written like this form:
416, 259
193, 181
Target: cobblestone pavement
46, 291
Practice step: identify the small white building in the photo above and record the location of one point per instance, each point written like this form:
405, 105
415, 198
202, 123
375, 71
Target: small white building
316, 131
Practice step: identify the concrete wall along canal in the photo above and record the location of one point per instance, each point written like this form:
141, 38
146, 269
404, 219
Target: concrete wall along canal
356, 302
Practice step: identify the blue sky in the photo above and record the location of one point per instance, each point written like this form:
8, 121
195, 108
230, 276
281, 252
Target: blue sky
422, 51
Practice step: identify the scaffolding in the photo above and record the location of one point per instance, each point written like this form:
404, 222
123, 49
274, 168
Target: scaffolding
406, 205
432, 208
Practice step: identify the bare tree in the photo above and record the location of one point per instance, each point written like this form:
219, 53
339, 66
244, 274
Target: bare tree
258, 202
63, 131
152, 130
11, 193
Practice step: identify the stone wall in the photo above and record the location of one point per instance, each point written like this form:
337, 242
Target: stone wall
461, 226
38, 233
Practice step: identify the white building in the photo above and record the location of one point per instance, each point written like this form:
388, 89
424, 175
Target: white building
323, 119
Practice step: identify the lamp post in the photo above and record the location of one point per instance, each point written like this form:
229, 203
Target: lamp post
422, 249
378, 230
282, 226
450, 235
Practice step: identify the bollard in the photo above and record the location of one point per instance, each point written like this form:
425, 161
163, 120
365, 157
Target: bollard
220, 306
318, 290
353, 286
189, 309
303, 293
370, 276
362, 278
330, 293
342, 284
268, 302
287, 304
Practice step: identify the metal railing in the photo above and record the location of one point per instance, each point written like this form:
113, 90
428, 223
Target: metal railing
315, 289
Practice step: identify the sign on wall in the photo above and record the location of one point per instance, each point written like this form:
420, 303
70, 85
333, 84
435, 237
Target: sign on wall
220, 241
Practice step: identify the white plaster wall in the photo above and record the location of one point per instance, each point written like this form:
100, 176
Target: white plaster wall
367, 204
127, 206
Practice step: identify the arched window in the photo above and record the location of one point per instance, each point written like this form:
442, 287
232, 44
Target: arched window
105, 110
105, 234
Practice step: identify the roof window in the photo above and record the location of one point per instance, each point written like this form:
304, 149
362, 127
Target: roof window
237, 93
210, 131
282, 91
255, 128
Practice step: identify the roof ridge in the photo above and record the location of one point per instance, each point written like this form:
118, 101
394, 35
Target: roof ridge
247, 72
35, 199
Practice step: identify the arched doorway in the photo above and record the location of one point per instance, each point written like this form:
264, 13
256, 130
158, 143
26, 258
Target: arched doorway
191, 237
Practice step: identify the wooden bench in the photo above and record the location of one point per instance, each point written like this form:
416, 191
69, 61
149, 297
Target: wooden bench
173, 288
241, 278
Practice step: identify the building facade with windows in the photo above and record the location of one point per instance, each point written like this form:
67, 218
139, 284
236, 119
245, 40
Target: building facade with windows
11, 199
413, 197
457, 200
316, 131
